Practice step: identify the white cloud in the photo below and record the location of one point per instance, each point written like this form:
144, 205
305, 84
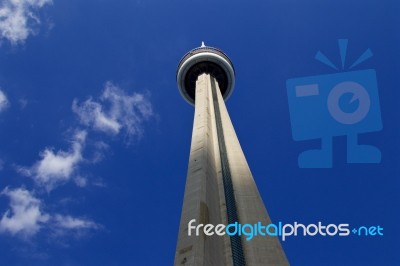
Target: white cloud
3, 101
17, 18
57, 167
69, 222
23, 103
91, 113
115, 111
80, 181
99, 152
24, 216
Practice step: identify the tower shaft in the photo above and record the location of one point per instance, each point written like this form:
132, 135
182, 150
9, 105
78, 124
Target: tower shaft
220, 189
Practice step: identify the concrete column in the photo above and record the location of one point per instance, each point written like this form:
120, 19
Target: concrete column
261, 250
204, 198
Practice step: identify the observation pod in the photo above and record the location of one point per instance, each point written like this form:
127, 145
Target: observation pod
209, 60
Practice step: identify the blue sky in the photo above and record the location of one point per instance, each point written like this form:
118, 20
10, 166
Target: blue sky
95, 137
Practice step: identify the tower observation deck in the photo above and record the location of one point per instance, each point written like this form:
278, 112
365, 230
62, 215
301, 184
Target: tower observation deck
220, 188
208, 60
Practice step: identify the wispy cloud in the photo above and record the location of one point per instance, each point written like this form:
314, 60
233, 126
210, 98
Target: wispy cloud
80, 181
115, 111
3, 101
73, 223
17, 17
100, 148
56, 168
24, 217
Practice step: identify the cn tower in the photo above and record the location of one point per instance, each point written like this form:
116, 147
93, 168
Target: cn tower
220, 188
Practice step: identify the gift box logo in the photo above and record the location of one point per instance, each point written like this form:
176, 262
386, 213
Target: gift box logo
344, 103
